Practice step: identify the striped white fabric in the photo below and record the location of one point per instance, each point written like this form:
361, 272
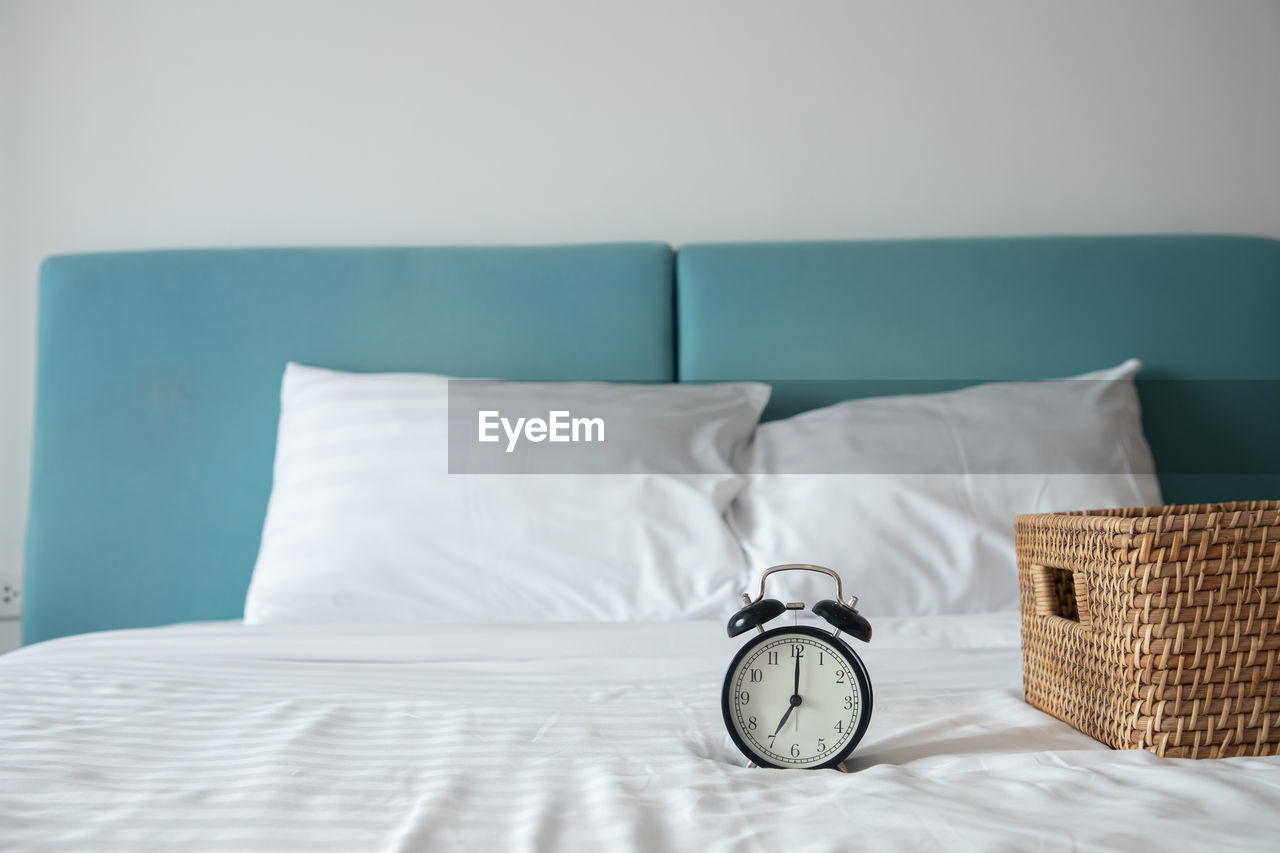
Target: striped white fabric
367, 524
560, 737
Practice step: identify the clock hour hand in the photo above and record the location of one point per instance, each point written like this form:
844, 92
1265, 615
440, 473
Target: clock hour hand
783, 721
795, 703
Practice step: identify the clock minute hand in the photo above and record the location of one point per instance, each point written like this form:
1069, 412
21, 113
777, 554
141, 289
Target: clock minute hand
796, 691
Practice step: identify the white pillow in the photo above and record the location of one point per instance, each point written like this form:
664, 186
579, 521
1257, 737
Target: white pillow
912, 499
366, 524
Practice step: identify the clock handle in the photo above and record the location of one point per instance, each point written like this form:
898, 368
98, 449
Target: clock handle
840, 614
803, 567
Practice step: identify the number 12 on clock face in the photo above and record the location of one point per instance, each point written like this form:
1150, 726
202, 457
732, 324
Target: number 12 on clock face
796, 697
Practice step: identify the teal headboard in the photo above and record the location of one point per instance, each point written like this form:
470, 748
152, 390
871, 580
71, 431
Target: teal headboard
159, 379
1203, 313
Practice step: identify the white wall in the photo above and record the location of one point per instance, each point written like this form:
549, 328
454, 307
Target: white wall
146, 123
16, 334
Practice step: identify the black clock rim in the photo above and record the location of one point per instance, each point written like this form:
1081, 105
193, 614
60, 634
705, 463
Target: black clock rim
858, 668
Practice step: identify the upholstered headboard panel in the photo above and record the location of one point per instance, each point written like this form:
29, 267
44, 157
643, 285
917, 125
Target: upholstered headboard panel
158, 391
1203, 313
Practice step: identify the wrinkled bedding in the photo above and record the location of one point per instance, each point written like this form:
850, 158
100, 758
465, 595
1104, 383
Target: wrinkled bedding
219, 736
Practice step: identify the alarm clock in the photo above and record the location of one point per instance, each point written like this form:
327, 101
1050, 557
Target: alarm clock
797, 696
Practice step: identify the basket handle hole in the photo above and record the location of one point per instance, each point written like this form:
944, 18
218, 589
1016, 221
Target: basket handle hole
1061, 593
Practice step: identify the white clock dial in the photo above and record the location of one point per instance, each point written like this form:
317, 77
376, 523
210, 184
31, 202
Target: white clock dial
796, 697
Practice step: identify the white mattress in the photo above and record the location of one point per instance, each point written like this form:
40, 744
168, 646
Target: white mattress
564, 737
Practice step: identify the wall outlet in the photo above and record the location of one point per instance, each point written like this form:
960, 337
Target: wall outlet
10, 597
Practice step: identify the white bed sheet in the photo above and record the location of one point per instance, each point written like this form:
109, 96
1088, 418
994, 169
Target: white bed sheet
562, 737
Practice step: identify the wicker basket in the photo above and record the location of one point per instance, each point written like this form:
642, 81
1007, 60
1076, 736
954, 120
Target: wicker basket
1156, 628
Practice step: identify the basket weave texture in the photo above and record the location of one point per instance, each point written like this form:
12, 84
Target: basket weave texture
1156, 628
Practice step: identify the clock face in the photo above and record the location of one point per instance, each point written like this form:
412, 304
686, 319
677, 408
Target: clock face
796, 697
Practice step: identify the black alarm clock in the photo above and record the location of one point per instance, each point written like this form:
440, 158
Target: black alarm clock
797, 696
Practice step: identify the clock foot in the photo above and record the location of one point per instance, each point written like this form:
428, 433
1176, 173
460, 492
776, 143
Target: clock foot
842, 768
752, 764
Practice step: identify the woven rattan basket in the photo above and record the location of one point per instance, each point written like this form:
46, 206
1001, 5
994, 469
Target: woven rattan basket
1156, 628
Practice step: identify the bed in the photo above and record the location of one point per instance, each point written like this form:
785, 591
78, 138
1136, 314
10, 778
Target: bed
142, 714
